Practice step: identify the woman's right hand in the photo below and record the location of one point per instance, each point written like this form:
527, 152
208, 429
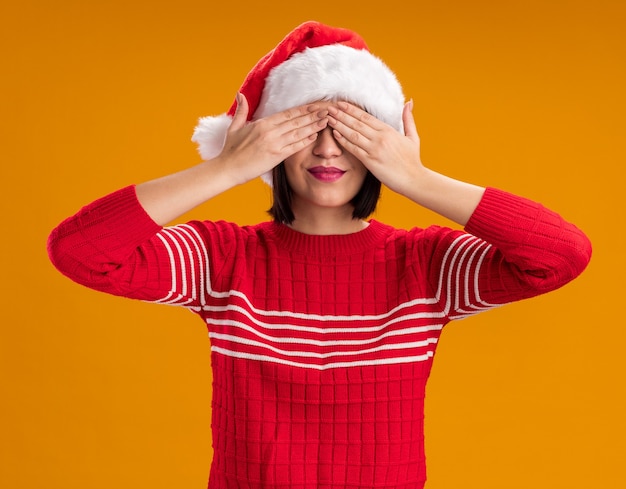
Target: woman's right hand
254, 148
250, 150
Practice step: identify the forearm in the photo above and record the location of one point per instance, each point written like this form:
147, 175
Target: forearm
453, 199
168, 197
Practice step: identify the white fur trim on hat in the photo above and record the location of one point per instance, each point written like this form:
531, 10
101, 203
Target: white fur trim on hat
334, 72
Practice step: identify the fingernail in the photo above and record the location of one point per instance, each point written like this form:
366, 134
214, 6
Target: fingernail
411, 105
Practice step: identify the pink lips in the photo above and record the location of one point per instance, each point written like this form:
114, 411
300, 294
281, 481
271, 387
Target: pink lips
326, 173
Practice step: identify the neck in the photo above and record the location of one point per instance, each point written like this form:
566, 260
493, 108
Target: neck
326, 221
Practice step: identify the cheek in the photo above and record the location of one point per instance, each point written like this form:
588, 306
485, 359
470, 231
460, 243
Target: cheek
360, 169
289, 164
290, 172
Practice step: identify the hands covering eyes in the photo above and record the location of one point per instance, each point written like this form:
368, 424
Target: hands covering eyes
392, 157
254, 148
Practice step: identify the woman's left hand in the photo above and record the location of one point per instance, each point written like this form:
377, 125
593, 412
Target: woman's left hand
392, 157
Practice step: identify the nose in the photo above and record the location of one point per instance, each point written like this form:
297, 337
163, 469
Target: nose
326, 146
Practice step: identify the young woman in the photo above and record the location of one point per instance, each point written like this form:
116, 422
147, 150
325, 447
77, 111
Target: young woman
323, 324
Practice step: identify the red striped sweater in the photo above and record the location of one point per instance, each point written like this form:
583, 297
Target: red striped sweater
321, 345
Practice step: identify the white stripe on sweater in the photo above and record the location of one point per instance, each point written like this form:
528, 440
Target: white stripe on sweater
187, 252
454, 259
357, 363
312, 354
321, 343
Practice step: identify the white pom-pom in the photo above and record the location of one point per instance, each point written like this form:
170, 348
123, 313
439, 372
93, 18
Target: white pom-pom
210, 134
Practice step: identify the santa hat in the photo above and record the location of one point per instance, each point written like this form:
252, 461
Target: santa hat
313, 62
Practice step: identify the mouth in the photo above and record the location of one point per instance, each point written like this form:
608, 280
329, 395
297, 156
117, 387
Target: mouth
326, 173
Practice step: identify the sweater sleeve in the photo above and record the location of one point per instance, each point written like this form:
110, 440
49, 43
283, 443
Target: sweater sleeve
112, 245
512, 249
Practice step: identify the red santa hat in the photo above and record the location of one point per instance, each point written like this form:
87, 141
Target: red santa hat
313, 62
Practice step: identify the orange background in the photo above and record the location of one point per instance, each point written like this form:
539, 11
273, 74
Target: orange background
100, 392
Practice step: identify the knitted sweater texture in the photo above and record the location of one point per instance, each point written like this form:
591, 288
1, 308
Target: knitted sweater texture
321, 345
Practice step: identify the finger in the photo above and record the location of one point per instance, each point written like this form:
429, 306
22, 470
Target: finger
410, 130
352, 139
300, 137
312, 125
241, 112
356, 118
300, 123
297, 117
355, 148
295, 146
